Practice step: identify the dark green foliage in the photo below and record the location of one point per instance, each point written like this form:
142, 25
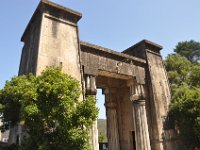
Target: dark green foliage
184, 78
194, 77
189, 49
101, 137
178, 69
186, 109
12, 147
49, 106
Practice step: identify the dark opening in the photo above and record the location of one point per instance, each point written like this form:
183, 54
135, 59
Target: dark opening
134, 142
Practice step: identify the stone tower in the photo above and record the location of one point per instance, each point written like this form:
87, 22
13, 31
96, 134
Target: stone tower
51, 39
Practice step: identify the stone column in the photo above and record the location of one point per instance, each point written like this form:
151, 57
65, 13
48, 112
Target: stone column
94, 136
141, 127
137, 96
90, 86
112, 124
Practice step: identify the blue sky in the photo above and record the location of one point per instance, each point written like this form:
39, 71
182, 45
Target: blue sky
115, 24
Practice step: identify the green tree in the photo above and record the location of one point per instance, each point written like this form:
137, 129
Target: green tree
189, 49
186, 109
50, 108
185, 86
101, 137
194, 77
178, 69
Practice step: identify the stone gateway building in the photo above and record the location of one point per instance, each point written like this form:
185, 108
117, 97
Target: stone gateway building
134, 81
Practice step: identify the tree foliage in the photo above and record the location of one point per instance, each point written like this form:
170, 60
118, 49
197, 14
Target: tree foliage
50, 108
186, 109
101, 137
185, 86
189, 49
178, 69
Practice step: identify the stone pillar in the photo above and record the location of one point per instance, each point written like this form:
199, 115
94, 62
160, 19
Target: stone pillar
94, 136
90, 86
112, 124
137, 96
141, 127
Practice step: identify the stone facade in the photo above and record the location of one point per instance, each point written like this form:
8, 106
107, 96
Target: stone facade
134, 81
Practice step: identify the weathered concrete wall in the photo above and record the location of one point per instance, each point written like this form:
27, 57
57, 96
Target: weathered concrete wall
125, 115
29, 54
50, 39
163, 136
59, 46
162, 133
101, 61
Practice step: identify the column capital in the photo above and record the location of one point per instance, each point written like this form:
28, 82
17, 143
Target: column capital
136, 97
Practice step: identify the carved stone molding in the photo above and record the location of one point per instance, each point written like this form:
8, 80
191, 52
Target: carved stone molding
137, 91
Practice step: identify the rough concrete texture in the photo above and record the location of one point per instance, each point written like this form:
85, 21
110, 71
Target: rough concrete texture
59, 47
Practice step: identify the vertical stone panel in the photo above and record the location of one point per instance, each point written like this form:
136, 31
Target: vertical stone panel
112, 123
90, 89
28, 63
51, 39
126, 119
159, 105
94, 136
59, 46
113, 135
